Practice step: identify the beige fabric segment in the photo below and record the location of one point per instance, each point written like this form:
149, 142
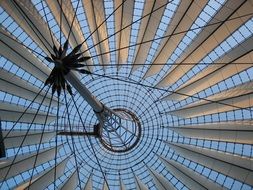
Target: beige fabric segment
15, 138
95, 14
234, 131
147, 29
139, 184
122, 185
243, 101
14, 85
41, 181
188, 11
25, 162
186, 180
18, 54
11, 112
25, 184
36, 22
237, 167
239, 90
239, 96
216, 73
105, 186
71, 182
123, 17
189, 177
226, 29
88, 185
76, 36
160, 181
224, 12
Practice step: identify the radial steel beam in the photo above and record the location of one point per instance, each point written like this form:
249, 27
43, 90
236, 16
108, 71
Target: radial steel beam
2, 147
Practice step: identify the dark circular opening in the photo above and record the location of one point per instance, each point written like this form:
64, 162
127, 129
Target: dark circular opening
121, 132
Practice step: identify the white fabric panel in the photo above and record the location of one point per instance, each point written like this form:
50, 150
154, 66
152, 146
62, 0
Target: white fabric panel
148, 28
71, 182
191, 9
15, 138
243, 101
25, 162
88, 185
18, 54
35, 21
226, 29
185, 172
122, 185
76, 36
235, 91
105, 187
237, 167
161, 182
23, 185
14, 85
95, 14
225, 11
41, 181
139, 184
185, 179
236, 132
240, 96
123, 17
11, 112
216, 73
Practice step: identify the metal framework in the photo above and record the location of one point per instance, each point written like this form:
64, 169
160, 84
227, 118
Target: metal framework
162, 97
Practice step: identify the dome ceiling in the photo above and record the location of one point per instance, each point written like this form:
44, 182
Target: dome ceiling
139, 94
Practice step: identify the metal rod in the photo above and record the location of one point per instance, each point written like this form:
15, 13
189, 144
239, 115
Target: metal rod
2, 147
84, 92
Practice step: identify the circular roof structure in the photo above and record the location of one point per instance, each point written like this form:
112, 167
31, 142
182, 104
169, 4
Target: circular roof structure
126, 94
